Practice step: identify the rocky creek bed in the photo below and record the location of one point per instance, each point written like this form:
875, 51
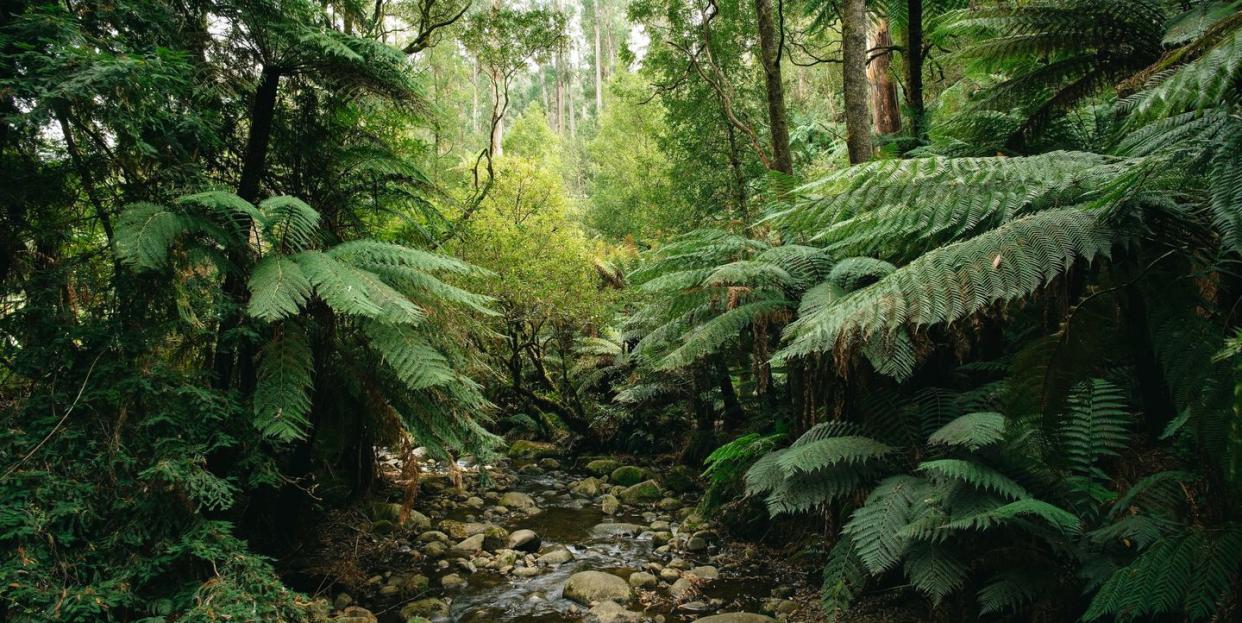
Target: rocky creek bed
538, 540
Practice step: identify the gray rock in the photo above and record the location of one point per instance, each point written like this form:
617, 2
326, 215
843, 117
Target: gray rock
588, 487
342, 601
705, 572
516, 500
616, 529
682, 589
524, 540
640, 579
588, 587
435, 549
557, 556
452, 581
526, 572
736, 617
669, 504
612, 612
610, 504
469, 545
696, 544
433, 535
430, 608
354, 614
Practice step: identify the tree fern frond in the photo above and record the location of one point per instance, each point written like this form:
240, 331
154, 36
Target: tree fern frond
282, 392
144, 234
853, 273
876, 526
289, 223
832, 452
414, 360
951, 282
708, 337
1095, 425
971, 431
278, 288
977, 475
934, 570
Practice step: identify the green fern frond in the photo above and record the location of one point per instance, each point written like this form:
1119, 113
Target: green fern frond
414, 360
844, 579
852, 273
876, 527
977, 475
278, 289
934, 570
1095, 425
144, 234
282, 392
971, 431
1064, 521
289, 224
707, 338
952, 282
832, 452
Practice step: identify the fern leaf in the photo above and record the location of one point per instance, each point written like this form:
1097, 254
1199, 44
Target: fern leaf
278, 289
144, 234
282, 393
971, 431
414, 360
875, 527
289, 223
832, 452
979, 476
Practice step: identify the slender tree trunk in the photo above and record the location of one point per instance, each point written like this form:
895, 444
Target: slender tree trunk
854, 79
599, 67
474, 100
886, 114
261, 116
733, 414
770, 47
225, 357
739, 179
914, 67
573, 111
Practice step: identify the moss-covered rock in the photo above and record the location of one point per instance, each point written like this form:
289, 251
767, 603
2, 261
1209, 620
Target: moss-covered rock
602, 467
642, 493
527, 449
627, 475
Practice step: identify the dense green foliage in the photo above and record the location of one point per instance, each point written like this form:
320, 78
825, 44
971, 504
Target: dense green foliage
249, 244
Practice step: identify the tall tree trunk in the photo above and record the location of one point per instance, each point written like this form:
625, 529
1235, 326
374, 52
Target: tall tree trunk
854, 79
733, 414
886, 115
573, 111
770, 46
262, 112
739, 178
599, 67
914, 67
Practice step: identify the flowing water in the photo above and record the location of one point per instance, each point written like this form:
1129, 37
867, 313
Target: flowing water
490, 597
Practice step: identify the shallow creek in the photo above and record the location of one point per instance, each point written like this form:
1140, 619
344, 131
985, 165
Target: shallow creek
568, 520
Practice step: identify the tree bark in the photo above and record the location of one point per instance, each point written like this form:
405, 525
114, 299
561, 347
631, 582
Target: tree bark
770, 47
886, 115
262, 112
914, 67
854, 79
599, 67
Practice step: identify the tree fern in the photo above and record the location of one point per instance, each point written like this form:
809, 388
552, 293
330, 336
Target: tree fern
876, 527
1190, 572
1095, 425
831, 452
282, 394
144, 234
971, 431
953, 281
278, 287
707, 338
977, 475
415, 361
